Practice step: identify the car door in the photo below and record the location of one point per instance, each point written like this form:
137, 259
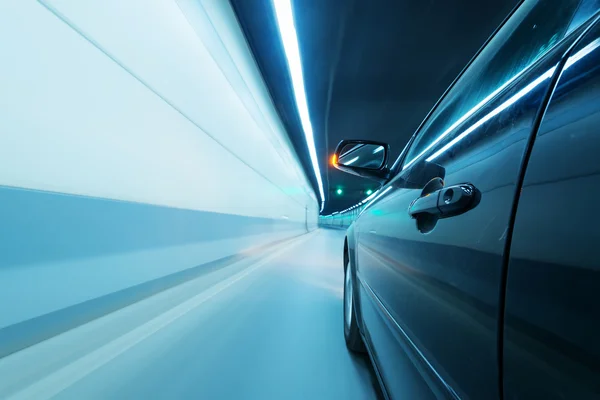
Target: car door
431, 282
552, 323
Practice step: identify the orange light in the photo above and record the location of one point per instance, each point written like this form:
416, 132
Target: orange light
334, 160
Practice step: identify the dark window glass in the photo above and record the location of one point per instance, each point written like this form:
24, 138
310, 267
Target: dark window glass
586, 10
534, 28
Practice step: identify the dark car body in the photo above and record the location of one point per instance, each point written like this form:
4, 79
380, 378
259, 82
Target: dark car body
500, 299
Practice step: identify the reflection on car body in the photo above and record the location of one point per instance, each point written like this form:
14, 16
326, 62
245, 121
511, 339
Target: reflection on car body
472, 272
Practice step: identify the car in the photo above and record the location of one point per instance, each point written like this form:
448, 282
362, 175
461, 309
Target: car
474, 270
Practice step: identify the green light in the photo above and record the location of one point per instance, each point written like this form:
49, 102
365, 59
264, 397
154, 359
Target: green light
369, 192
339, 191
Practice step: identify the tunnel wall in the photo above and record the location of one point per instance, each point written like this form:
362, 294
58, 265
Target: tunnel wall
137, 141
338, 221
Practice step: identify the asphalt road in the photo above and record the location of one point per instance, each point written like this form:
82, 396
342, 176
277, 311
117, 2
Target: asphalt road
269, 327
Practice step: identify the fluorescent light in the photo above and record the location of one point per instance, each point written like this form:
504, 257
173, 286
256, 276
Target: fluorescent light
496, 111
572, 60
289, 38
464, 118
582, 53
355, 159
387, 189
371, 196
377, 150
547, 75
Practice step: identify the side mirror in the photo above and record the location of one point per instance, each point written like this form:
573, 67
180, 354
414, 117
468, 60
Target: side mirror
363, 158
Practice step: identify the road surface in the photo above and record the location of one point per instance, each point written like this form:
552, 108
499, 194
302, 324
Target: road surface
268, 327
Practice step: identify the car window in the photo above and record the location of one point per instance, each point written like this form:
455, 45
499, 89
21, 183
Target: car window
534, 28
586, 9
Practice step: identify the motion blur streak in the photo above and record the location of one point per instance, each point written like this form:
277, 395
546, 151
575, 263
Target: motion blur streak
287, 29
262, 329
547, 75
126, 169
157, 229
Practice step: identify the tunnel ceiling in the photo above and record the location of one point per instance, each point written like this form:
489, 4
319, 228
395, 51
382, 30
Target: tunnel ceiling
372, 69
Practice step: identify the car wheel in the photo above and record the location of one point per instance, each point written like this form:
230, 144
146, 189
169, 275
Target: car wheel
351, 333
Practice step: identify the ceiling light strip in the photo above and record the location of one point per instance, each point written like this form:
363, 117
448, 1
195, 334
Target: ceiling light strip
287, 30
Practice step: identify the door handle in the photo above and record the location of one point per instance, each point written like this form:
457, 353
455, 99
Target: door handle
445, 202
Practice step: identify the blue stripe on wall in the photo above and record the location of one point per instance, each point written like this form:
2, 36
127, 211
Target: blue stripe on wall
41, 227
31, 331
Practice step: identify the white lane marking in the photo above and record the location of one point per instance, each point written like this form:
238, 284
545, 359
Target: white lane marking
59, 380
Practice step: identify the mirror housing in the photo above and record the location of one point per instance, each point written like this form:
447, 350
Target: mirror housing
373, 164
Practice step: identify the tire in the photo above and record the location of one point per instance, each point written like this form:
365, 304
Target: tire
352, 335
